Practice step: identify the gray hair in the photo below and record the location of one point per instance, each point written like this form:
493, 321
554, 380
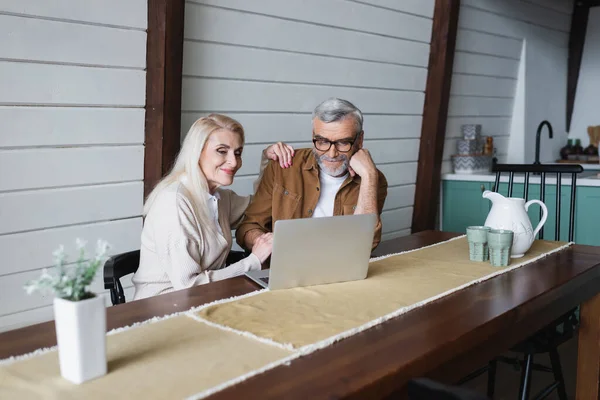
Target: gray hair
334, 109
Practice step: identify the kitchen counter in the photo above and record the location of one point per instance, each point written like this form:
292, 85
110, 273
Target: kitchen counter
462, 204
586, 178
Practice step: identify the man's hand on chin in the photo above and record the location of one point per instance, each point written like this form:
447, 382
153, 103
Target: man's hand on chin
362, 164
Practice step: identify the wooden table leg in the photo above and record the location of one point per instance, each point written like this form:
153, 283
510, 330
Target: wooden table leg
588, 356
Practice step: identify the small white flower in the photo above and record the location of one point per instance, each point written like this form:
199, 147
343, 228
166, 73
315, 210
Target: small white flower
69, 282
80, 243
30, 288
45, 274
59, 253
102, 247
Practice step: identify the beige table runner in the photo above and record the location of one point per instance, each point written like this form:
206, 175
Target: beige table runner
196, 353
303, 316
172, 358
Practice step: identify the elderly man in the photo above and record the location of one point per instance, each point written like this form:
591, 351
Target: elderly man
335, 177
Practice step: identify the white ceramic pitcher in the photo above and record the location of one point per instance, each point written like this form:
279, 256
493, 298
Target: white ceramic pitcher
511, 213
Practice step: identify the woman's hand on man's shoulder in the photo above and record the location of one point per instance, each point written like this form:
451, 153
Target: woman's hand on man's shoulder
281, 152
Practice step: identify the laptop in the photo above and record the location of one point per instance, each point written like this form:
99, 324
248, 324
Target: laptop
317, 251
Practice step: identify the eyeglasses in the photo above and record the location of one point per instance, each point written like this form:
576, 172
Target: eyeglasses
343, 146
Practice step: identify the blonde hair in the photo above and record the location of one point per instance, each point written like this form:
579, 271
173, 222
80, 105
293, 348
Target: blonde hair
186, 164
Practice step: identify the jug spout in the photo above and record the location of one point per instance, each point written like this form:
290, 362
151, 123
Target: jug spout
492, 196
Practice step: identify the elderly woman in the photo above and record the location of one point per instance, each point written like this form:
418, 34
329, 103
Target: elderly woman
187, 230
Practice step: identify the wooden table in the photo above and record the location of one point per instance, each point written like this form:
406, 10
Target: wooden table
445, 339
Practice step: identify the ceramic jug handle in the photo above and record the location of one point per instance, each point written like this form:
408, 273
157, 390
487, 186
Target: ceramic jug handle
544, 214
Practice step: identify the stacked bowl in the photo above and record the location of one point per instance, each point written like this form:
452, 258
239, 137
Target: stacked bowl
469, 157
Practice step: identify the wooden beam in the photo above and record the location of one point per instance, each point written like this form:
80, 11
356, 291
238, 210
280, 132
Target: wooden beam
579, 21
435, 113
164, 61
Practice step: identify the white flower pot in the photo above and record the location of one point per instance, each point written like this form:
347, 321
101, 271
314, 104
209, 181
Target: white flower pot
81, 337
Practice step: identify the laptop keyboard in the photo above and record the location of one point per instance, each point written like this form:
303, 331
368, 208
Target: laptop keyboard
265, 280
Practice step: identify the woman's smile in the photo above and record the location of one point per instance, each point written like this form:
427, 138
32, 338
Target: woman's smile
228, 171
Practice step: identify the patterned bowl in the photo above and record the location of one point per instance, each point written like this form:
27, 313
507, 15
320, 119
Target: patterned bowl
471, 131
468, 146
471, 164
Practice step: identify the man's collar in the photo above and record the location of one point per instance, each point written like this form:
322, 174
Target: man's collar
311, 162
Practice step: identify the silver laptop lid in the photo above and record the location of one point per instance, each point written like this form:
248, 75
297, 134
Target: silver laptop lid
315, 251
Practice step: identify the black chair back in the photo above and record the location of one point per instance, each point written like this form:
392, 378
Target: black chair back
564, 328
543, 170
124, 264
117, 267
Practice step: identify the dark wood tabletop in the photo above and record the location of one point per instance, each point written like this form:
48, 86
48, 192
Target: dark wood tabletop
445, 339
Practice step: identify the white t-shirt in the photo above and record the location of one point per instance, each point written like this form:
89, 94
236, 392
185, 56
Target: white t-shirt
329, 188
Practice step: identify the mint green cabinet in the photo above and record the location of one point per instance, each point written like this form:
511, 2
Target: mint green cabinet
463, 205
587, 216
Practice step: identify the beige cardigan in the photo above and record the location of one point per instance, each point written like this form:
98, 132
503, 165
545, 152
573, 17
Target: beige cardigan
175, 254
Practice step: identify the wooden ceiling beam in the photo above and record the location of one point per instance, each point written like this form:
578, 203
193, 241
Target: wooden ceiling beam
164, 61
435, 114
579, 21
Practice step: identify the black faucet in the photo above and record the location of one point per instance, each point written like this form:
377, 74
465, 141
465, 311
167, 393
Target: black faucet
537, 139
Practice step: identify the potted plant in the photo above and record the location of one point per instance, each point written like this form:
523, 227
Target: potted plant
80, 315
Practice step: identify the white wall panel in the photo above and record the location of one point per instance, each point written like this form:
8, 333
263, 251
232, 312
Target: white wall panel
231, 96
205, 60
34, 84
33, 250
337, 13
20, 211
35, 39
130, 13
43, 168
206, 24
70, 126
72, 97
